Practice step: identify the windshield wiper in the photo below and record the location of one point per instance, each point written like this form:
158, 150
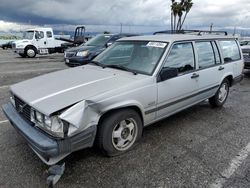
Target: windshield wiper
122, 68
98, 64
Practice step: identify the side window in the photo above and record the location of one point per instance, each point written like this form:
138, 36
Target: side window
41, 34
230, 50
216, 53
49, 34
206, 56
181, 57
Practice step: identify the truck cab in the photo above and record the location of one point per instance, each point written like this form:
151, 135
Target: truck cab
37, 41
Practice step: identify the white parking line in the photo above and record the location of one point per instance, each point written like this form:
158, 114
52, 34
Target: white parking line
3, 87
234, 165
4, 121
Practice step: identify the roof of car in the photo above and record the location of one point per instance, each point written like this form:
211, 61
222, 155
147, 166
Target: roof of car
174, 37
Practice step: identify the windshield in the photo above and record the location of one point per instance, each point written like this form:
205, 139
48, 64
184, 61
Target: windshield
99, 40
138, 56
28, 35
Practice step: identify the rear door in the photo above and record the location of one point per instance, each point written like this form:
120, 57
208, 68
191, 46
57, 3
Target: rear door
177, 93
50, 39
232, 56
210, 68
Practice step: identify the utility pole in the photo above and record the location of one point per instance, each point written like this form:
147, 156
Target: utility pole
234, 30
121, 28
211, 27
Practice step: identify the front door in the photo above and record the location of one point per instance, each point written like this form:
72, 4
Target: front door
177, 93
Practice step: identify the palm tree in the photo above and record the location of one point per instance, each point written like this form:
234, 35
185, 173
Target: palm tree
172, 24
174, 9
188, 4
177, 9
180, 9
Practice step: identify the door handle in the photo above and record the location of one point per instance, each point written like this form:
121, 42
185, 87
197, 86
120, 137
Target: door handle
45, 42
221, 68
195, 75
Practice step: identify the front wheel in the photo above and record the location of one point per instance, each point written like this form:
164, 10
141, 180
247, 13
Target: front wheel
119, 131
30, 52
221, 95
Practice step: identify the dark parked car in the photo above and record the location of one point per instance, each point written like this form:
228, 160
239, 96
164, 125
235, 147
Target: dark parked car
7, 45
244, 42
84, 53
246, 55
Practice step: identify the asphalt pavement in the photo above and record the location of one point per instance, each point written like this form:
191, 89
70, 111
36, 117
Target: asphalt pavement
198, 147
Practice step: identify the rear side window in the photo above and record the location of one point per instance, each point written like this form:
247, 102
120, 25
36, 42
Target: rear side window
49, 34
230, 50
206, 56
181, 57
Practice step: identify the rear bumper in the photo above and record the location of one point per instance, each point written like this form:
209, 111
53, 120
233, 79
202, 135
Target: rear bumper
247, 65
49, 149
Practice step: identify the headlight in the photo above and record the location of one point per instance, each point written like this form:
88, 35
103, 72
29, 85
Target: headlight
52, 125
82, 53
20, 46
39, 117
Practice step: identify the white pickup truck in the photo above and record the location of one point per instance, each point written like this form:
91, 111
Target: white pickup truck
37, 41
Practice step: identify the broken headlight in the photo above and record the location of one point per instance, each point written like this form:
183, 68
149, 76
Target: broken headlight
52, 125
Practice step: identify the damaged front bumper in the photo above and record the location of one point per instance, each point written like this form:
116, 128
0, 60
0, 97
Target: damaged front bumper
49, 149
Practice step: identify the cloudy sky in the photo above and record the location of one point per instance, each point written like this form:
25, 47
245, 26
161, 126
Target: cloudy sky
108, 14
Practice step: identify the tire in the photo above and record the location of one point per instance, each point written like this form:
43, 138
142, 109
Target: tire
30, 52
118, 132
221, 95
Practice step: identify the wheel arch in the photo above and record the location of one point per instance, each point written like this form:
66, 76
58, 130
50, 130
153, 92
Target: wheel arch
31, 46
229, 77
109, 111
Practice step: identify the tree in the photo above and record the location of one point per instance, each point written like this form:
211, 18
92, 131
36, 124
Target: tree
177, 9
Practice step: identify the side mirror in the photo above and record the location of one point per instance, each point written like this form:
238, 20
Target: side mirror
167, 73
109, 44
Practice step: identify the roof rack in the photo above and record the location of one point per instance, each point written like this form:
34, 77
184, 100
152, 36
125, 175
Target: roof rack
197, 32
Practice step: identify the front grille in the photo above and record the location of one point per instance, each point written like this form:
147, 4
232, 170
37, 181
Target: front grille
246, 58
22, 108
69, 54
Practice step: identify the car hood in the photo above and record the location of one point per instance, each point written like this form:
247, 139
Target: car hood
55, 91
82, 48
22, 41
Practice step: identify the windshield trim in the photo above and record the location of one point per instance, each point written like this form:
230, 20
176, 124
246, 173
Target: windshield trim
159, 60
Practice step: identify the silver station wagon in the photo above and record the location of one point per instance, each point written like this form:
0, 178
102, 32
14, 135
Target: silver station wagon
135, 82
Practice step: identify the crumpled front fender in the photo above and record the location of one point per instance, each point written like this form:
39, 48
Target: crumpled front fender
80, 117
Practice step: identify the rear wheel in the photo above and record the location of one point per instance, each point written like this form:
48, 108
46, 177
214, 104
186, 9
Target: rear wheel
119, 131
221, 95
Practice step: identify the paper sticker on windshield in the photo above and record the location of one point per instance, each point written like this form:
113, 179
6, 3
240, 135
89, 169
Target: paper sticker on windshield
157, 44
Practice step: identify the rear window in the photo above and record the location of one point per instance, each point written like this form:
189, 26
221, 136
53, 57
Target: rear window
230, 50
49, 34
